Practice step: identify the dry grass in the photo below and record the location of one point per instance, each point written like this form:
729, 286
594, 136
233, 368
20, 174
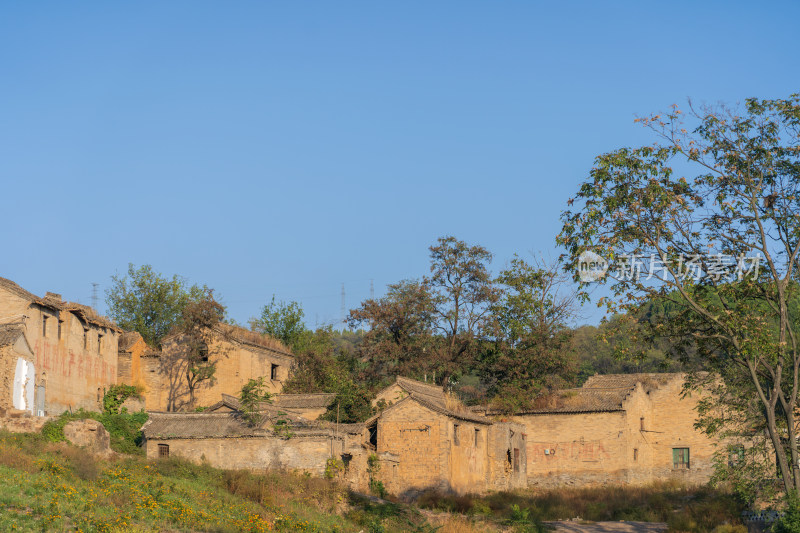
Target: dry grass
11, 457
692, 509
454, 404
446, 523
245, 335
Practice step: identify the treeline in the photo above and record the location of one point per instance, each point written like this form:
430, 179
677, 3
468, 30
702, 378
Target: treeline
504, 339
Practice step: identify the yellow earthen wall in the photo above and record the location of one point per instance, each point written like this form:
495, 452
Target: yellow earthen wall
413, 445
165, 382
74, 376
632, 446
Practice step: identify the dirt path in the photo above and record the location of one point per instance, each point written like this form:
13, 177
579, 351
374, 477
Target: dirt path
608, 527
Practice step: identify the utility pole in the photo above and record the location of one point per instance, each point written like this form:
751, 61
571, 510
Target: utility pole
371, 289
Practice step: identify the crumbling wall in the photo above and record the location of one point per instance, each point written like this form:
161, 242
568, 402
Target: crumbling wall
302, 453
413, 446
575, 449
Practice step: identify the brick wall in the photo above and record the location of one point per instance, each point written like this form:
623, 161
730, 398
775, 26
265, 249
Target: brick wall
631, 446
74, 368
418, 450
413, 446
165, 384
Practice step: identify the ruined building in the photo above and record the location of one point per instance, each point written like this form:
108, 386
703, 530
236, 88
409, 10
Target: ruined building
239, 355
56, 356
617, 429
418, 442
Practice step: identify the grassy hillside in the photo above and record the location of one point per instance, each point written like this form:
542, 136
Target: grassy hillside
55, 486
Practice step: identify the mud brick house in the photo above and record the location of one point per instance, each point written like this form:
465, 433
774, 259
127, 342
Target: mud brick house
70, 358
621, 428
420, 442
16, 368
308, 406
240, 355
280, 440
427, 440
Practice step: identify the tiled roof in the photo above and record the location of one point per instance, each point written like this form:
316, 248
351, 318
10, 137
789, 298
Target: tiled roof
230, 425
304, 401
9, 333
252, 338
600, 393
279, 402
412, 386
246, 337
434, 398
441, 407
128, 339
16, 289
89, 315
648, 380
581, 401
197, 425
51, 301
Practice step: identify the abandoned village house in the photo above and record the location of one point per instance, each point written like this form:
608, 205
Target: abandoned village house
418, 442
56, 356
617, 429
238, 354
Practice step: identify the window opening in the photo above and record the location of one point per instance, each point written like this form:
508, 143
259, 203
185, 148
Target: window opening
680, 458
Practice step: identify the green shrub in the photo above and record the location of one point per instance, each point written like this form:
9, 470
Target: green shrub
790, 521
116, 395
123, 428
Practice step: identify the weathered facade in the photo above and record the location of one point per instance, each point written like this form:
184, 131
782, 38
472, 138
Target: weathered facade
423, 445
239, 355
416, 444
617, 429
74, 352
280, 440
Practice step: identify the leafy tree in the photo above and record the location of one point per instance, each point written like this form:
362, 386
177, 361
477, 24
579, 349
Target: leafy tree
195, 350
707, 216
530, 352
149, 303
283, 321
463, 293
253, 394
321, 367
790, 521
400, 335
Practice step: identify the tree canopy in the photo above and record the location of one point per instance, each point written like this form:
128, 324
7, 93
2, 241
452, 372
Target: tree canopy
148, 302
705, 222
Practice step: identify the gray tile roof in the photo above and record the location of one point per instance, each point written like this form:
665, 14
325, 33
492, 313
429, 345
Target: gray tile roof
52, 301
434, 398
9, 333
162, 426
304, 401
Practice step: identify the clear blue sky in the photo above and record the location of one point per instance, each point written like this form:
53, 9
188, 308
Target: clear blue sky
287, 147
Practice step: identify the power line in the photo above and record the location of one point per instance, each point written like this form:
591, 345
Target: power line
94, 295
343, 307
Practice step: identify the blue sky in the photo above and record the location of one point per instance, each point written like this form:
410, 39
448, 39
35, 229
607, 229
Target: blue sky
289, 147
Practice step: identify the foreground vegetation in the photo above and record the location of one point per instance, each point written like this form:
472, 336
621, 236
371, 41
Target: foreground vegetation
696, 509
54, 486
